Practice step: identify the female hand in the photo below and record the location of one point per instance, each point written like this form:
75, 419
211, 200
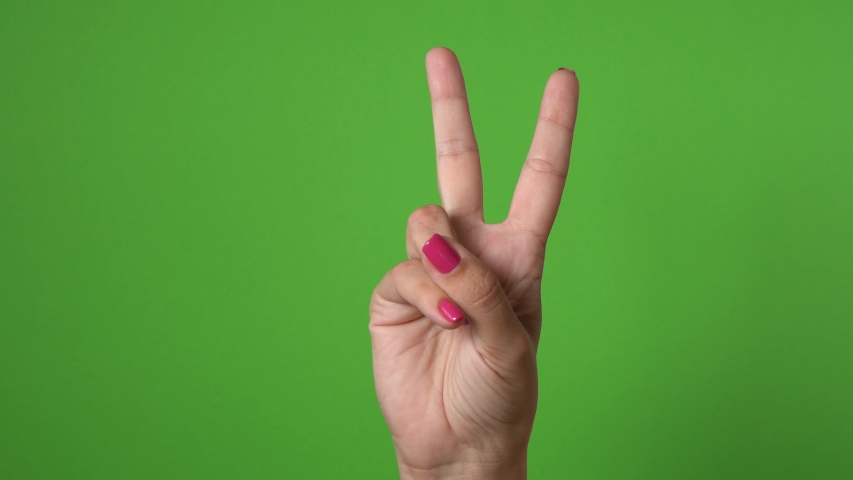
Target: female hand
459, 397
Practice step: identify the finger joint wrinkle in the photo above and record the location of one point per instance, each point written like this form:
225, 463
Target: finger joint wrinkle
568, 128
544, 166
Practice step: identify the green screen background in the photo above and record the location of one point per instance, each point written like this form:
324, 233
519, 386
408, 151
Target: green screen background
197, 199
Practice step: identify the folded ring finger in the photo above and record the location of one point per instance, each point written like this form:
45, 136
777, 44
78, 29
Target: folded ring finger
423, 224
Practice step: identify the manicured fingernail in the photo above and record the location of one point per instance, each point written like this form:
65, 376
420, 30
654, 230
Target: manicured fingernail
450, 311
567, 69
439, 252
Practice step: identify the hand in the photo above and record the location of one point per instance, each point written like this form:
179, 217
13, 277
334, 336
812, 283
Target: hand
459, 396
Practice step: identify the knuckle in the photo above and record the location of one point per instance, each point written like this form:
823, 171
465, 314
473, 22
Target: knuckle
455, 146
485, 292
403, 270
569, 128
545, 167
421, 289
375, 300
418, 282
427, 215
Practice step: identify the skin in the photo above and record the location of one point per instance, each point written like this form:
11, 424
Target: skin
460, 399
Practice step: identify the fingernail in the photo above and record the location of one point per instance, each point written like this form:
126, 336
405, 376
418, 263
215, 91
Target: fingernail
441, 254
450, 311
567, 69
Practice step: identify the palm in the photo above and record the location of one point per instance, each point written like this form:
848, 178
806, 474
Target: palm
437, 391
517, 257
423, 371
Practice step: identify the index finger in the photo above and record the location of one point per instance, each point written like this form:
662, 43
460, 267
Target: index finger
460, 180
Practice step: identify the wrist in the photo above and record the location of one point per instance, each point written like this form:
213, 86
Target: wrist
466, 472
469, 469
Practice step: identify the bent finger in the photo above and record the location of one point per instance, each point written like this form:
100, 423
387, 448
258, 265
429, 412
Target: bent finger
424, 222
477, 290
408, 284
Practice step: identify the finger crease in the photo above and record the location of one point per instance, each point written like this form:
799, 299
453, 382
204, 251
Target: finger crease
452, 152
569, 128
544, 166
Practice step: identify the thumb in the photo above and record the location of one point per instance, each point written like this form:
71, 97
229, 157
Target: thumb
498, 334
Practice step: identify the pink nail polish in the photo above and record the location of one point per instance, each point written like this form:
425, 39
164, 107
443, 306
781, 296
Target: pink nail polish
440, 254
450, 311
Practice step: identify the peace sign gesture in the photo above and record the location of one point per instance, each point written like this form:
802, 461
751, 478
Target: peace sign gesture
455, 328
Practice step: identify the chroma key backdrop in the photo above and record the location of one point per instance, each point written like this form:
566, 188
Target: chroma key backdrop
198, 198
